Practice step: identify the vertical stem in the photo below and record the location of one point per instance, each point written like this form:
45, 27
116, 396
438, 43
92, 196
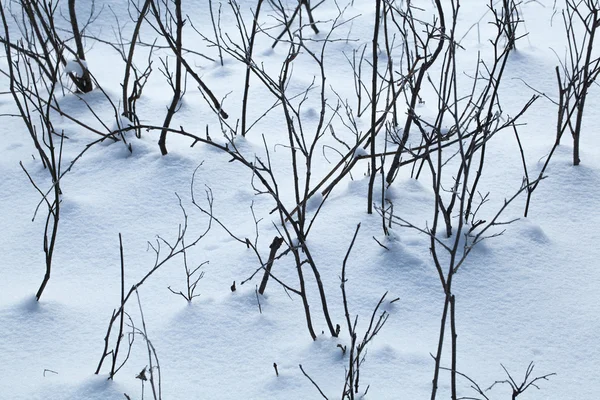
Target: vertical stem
119, 337
127, 112
454, 350
508, 6
162, 141
85, 81
212, 18
390, 65
438, 355
202, 86
373, 108
593, 25
317, 275
248, 61
311, 330
311, 19
54, 169
27, 7
351, 328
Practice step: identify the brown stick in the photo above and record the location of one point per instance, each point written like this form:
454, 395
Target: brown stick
275, 245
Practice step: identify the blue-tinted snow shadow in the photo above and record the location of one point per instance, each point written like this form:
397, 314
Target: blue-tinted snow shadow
97, 388
26, 308
28, 305
23, 321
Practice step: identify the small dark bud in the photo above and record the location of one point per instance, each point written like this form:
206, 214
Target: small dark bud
142, 375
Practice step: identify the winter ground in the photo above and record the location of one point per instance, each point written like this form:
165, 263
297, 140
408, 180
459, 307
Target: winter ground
528, 295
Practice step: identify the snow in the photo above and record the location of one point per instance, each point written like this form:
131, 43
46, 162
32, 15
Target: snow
75, 67
529, 295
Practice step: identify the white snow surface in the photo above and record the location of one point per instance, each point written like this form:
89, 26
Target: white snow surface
529, 295
75, 67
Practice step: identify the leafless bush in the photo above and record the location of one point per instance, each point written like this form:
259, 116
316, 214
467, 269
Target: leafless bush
357, 351
357, 348
287, 21
517, 388
34, 83
452, 150
151, 373
294, 222
35, 112
580, 67
41, 40
170, 24
153, 377
134, 78
194, 275
525, 384
176, 42
174, 249
423, 43
455, 156
511, 20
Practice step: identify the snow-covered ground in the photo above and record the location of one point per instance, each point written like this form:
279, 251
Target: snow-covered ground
530, 295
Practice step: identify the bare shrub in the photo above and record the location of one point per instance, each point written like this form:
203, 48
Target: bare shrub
580, 68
